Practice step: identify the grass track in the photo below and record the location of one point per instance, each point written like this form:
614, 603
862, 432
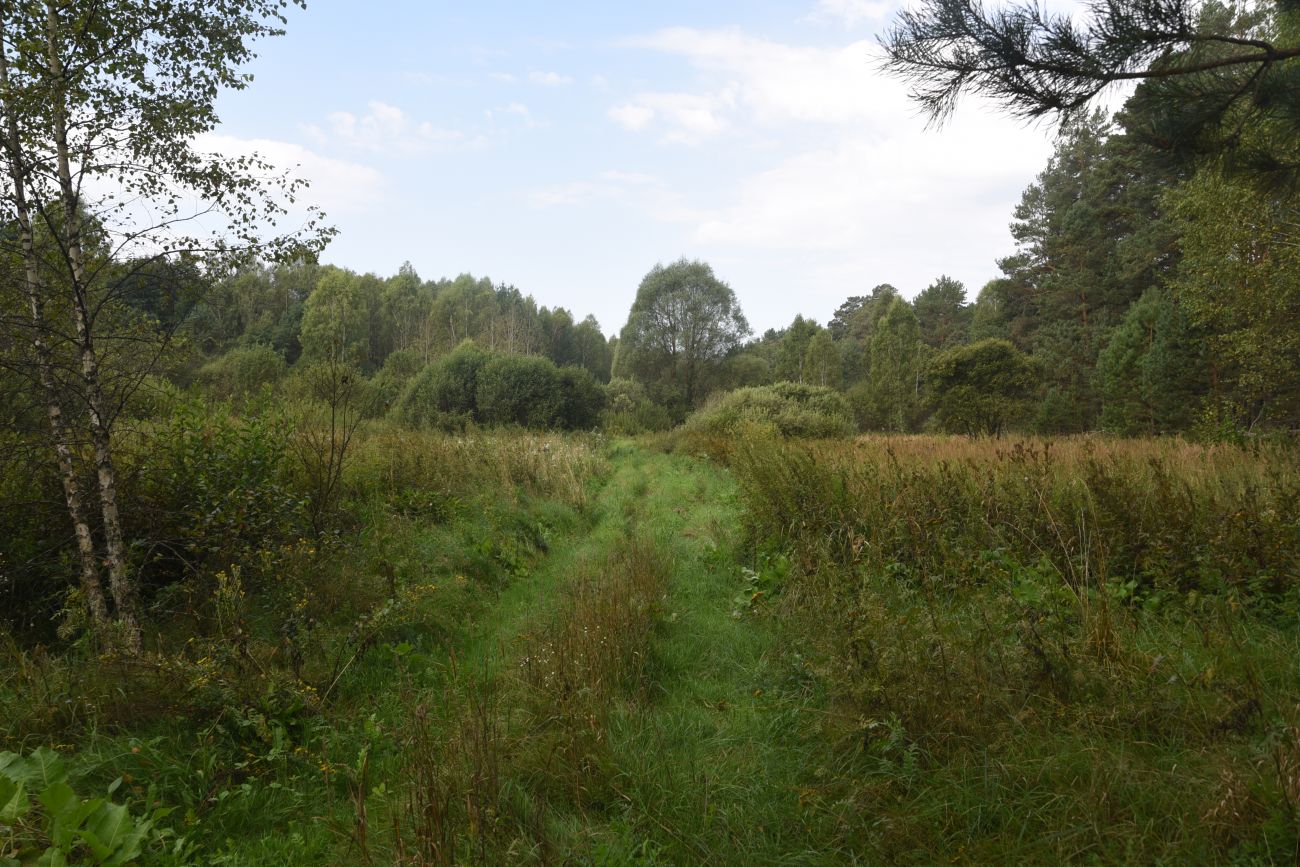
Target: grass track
709, 766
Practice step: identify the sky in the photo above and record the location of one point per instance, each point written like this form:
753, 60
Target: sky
566, 148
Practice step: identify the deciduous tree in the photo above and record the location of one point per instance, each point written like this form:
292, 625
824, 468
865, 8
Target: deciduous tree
102, 102
683, 323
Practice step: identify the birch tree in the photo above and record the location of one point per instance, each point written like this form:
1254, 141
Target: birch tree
103, 103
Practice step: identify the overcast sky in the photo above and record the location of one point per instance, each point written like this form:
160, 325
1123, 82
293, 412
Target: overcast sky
567, 147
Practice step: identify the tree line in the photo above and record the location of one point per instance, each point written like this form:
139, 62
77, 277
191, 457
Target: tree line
1147, 294
310, 311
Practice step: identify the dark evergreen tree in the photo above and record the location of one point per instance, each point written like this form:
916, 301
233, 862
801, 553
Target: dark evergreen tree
942, 313
1152, 374
1207, 71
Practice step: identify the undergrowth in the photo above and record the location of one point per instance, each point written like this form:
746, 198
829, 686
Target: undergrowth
1045, 651
269, 664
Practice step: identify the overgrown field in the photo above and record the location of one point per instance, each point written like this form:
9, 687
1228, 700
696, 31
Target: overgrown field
282, 642
508, 647
1044, 650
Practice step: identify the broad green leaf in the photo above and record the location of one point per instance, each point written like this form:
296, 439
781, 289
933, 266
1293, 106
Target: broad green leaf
13, 801
59, 799
130, 846
40, 769
68, 811
97, 847
53, 857
110, 825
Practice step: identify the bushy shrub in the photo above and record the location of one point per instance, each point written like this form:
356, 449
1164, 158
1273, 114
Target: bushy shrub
522, 390
583, 399
792, 409
403, 364
153, 398
32, 578
392, 380
630, 411
241, 372
214, 490
444, 394
471, 385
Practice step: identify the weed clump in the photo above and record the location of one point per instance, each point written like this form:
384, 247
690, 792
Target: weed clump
790, 409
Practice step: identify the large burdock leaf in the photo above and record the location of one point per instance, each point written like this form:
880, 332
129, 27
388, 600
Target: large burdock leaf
13, 801
40, 770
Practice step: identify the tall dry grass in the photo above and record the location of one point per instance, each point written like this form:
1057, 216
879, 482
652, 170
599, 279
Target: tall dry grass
556, 466
1046, 649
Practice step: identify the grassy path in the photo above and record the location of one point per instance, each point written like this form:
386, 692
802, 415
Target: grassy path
614, 708
713, 769
708, 759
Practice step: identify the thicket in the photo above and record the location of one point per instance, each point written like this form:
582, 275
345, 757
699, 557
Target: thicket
259, 624
241, 372
630, 411
471, 385
787, 408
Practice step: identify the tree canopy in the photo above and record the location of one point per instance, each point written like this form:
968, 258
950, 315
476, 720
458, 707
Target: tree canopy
682, 325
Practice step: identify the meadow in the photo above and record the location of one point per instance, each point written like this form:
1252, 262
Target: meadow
304, 565
735, 648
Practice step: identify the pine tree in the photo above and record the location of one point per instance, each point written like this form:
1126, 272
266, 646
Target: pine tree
894, 381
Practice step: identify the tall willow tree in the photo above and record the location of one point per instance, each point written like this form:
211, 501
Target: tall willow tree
683, 324
101, 104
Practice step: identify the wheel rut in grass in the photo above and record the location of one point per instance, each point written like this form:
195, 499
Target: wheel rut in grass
621, 709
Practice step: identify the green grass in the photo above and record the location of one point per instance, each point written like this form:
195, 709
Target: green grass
635, 657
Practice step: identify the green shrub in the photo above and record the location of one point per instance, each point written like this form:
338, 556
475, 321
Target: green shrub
471, 385
522, 390
49, 823
241, 372
791, 409
214, 491
583, 399
391, 382
444, 394
32, 578
630, 411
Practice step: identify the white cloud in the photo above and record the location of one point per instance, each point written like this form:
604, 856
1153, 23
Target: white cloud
337, 186
853, 12
632, 116
855, 187
866, 209
610, 184
515, 110
746, 79
687, 118
635, 192
549, 79
866, 193
386, 129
